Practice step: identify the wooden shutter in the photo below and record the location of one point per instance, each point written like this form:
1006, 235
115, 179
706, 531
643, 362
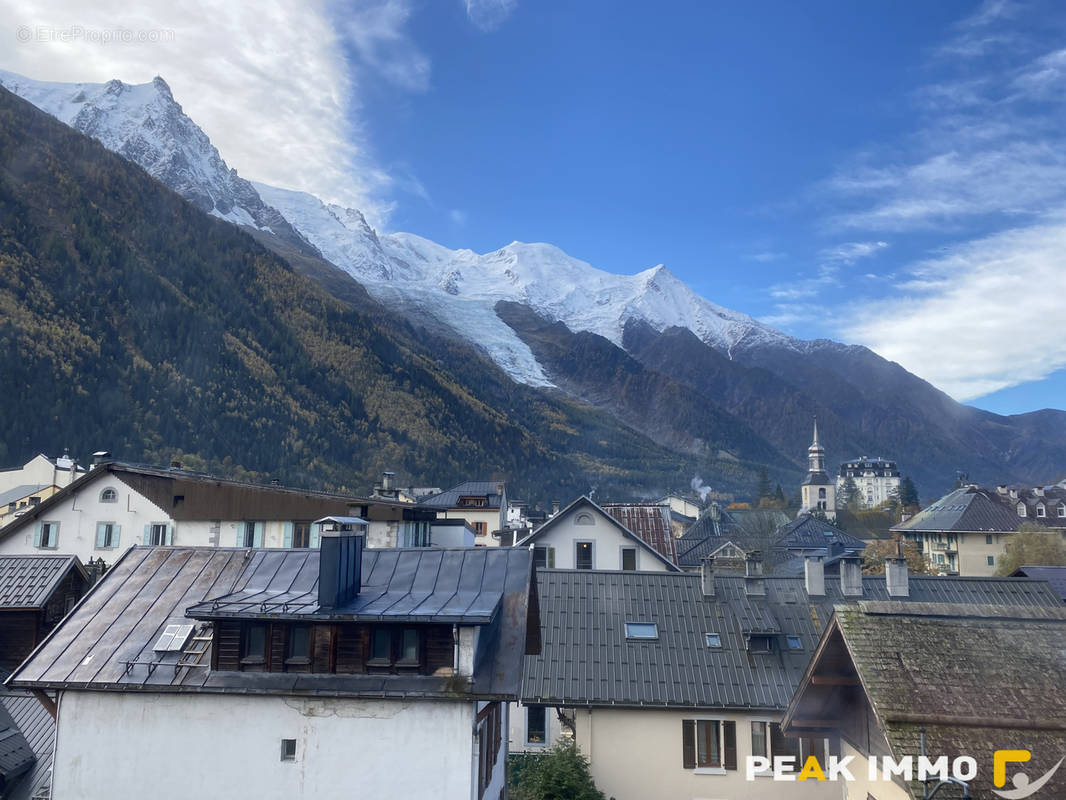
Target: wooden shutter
688, 743
148, 534
257, 534
729, 746
101, 534
286, 537
37, 534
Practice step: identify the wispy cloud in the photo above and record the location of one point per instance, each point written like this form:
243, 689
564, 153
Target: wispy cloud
850, 252
457, 216
488, 15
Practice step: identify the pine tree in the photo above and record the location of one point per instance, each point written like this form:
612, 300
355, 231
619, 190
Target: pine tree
764, 483
908, 494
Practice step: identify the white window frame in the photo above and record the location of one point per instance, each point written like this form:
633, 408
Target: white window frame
114, 495
767, 722
549, 555
1021, 509
1041, 511
161, 528
637, 637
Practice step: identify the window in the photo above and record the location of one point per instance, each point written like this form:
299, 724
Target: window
472, 502
583, 555
1040, 511
108, 495
299, 645
642, 630
46, 535
410, 650
536, 725
1062, 511
821, 494
107, 535
381, 646
709, 744
301, 534
760, 739
629, 559
991, 561
1021, 509
35, 501
249, 534
481, 528
288, 749
584, 519
760, 643
544, 557
253, 646
794, 642
988, 538
158, 534
714, 639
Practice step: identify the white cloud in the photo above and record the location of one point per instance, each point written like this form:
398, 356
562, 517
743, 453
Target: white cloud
984, 316
273, 83
850, 252
488, 15
457, 216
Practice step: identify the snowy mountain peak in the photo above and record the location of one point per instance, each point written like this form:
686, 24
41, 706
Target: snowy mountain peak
143, 123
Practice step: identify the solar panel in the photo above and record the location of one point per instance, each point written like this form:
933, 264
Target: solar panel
173, 638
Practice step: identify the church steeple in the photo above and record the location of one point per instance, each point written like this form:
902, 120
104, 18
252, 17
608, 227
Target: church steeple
818, 492
815, 453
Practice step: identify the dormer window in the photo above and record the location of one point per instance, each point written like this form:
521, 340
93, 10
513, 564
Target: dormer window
1041, 511
1021, 509
1062, 510
472, 502
760, 643
108, 495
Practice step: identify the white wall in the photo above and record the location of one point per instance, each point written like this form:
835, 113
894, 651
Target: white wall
173, 747
607, 541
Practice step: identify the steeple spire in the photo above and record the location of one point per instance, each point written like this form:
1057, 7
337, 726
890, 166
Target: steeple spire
815, 454
814, 443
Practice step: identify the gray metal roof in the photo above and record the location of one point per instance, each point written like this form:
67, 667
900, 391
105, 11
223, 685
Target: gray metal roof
449, 498
106, 641
16, 756
462, 585
965, 509
28, 581
808, 531
586, 658
37, 729
18, 492
1055, 577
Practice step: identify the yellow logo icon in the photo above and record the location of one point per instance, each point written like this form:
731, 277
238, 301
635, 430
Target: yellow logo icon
1023, 786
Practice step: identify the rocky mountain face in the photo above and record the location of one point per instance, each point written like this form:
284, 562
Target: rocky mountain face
674, 366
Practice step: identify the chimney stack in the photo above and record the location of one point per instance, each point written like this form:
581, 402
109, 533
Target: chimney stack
754, 582
101, 456
814, 576
340, 567
851, 576
707, 576
896, 577
386, 480
555, 507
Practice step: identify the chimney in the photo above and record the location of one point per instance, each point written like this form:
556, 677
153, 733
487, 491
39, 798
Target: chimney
340, 566
707, 576
275, 482
386, 480
555, 507
814, 576
896, 577
1002, 488
851, 576
1013, 494
754, 582
65, 461
1038, 491
100, 456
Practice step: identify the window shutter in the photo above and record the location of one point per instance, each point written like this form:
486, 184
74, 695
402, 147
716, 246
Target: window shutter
729, 746
115, 531
240, 534
688, 743
101, 534
551, 558
37, 534
147, 534
781, 745
169, 536
314, 537
286, 540
257, 534
53, 536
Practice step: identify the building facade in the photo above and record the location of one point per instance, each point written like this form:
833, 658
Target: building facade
876, 479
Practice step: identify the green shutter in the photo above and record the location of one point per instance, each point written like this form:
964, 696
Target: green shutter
37, 534
551, 558
240, 534
168, 537
115, 531
729, 747
286, 537
688, 743
101, 534
257, 534
147, 534
314, 536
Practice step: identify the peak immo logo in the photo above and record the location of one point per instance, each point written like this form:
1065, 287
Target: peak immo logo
1023, 785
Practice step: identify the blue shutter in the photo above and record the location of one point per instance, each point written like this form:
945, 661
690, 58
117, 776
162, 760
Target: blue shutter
240, 534
37, 534
148, 534
314, 536
169, 536
257, 534
286, 540
101, 534
115, 531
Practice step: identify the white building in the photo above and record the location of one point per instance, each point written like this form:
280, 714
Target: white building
877, 480
117, 505
290, 673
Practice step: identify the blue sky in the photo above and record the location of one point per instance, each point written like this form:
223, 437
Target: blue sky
885, 173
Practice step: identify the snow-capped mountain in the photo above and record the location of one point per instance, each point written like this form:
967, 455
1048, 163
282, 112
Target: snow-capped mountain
458, 288
144, 124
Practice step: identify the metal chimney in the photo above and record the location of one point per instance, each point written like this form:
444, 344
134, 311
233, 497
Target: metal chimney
340, 567
754, 582
387, 479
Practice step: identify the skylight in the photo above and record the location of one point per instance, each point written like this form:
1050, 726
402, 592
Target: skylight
642, 630
173, 638
794, 642
714, 639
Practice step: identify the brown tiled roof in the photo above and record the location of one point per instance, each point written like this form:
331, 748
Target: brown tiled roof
649, 521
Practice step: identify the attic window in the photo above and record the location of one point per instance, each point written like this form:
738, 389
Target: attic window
1040, 512
713, 639
173, 638
642, 630
1021, 509
108, 495
794, 642
760, 643
1062, 511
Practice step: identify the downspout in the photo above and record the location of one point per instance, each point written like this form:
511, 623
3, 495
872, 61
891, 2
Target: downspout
455, 649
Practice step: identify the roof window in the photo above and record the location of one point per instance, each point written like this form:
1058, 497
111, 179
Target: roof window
642, 630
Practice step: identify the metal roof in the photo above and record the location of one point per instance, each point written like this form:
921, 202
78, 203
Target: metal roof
965, 509
18, 492
808, 531
106, 641
37, 729
16, 756
586, 658
449, 498
1055, 577
28, 581
461, 585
